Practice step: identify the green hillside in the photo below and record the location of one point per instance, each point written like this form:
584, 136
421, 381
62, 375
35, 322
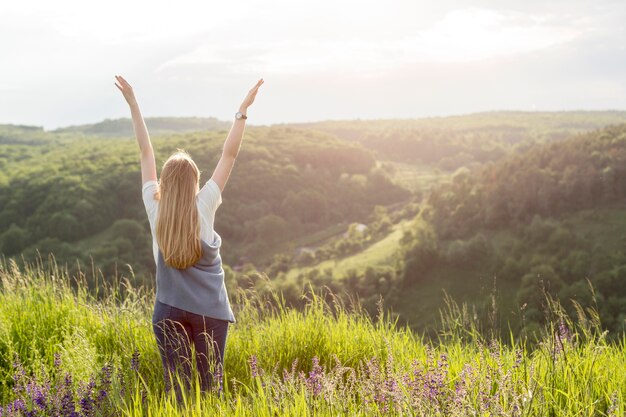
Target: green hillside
549, 219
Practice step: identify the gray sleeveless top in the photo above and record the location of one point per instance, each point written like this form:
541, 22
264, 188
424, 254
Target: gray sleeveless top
199, 289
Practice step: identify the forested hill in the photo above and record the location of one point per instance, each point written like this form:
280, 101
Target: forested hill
156, 125
550, 219
455, 141
80, 198
514, 126
587, 171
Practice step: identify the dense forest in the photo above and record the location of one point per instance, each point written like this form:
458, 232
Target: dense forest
494, 208
564, 209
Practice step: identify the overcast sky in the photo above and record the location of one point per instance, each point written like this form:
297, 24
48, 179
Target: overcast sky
321, 59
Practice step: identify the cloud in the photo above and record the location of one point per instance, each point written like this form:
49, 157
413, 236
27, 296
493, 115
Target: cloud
478, 34
460, 36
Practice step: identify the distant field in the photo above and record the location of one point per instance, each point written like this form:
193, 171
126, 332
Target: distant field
307, 240
415, 177
382, 252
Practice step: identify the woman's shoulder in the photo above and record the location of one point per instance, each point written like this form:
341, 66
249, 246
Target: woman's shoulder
149, 187
148, 193
210, 195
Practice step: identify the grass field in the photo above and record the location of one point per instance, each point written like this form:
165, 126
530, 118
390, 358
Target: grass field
382, 252
62, 352
311, 239
415, 177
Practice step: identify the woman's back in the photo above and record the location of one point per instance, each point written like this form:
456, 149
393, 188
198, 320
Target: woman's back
208, 200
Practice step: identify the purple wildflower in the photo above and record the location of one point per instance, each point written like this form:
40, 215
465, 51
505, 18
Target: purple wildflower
314, 381
612, 409
443, 360
102, 395
16, 406
134, 361
254, 369
518, 358
40, 399
68, 406
122, 383
105, 378
563, 337
19, 375
564, 332
218, 378
68, 380
290, 376
57, 361
86, 405
86, 402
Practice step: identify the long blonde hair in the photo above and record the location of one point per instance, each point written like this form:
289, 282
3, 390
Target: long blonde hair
178, 223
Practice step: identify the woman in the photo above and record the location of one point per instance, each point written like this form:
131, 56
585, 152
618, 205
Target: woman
191, 308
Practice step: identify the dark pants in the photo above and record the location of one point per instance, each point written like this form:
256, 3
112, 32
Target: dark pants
176, 332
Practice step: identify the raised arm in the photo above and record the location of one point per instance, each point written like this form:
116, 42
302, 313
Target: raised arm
233, 140
148, 165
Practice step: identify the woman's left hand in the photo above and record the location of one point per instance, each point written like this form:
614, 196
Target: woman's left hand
247, 102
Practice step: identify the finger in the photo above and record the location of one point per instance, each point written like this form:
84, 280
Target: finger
257, 85
124, 82
119, 88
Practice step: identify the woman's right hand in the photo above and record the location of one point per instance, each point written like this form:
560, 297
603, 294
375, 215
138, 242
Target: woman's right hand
126, 90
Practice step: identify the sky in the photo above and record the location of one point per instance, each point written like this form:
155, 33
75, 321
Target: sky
320, 59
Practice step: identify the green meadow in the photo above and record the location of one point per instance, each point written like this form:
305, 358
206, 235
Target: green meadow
65, 350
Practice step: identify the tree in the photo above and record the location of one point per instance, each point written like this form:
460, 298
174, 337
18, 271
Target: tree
13, 240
